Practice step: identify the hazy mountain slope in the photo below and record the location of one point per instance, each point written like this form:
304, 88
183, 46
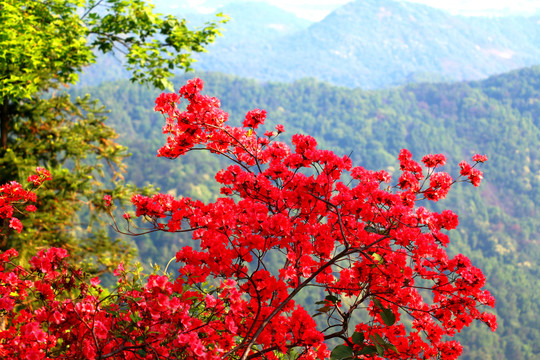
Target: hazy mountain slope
366, 43
377, 43
255, 22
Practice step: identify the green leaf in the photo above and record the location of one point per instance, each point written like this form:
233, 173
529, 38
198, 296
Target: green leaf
325, 309
379, 342
378, 258
388, 317
382, 344
358, 338
379, 349
391, 347
377, 303
135, 317
367, 350
292, 354
332, 298
342, 352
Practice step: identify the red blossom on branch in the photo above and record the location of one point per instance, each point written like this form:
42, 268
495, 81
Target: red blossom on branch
479, 158
16, 224
13, 195
40, 176
320, 225
288, 221
254, 118
434, 160
107, 200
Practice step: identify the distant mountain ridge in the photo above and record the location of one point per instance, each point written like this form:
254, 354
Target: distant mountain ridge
254, 21
380, 43
366, 43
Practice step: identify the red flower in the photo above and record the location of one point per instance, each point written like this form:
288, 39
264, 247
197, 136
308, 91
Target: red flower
465, 168
166, 103
434, 160
40, 176
119, 271
107, 199
479, 158
254, 118
16, 224
476, 177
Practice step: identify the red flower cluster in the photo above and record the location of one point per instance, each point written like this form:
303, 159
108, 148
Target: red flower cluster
288, 221
166, 103
13, 194
479, 158
107, 199
475, 176
254, 118
52, 311
360, 241
434, 160
40, 176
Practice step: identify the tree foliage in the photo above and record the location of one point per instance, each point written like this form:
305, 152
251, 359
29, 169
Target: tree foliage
304, 212
43, 45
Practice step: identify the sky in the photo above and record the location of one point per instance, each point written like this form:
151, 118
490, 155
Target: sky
316, 10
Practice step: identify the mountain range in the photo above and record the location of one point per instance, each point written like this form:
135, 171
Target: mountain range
374, 44
365, 43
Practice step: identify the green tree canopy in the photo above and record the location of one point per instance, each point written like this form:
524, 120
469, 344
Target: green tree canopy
43, 45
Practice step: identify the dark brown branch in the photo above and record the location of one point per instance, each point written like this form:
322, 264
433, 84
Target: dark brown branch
278, 309
4, 123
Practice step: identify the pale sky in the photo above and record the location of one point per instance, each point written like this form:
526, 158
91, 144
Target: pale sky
316, 10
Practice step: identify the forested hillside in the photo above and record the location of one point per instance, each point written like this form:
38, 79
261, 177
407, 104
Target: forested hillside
498, 117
